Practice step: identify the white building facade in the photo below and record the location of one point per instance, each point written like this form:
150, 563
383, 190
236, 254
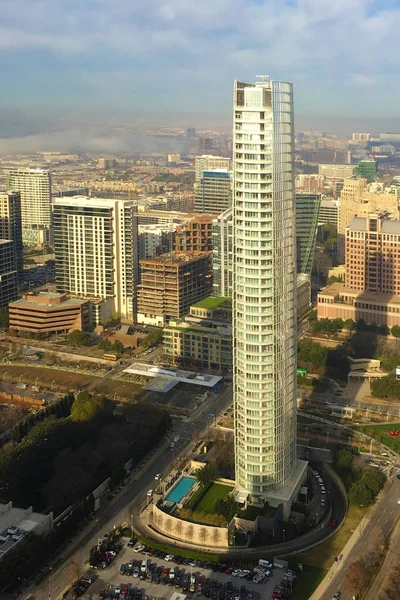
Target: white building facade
264, 296
34, 186
95, 243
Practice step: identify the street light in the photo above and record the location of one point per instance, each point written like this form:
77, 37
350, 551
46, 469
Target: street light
51, 584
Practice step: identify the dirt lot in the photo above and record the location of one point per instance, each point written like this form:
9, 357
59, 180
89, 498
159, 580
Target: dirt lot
64, 381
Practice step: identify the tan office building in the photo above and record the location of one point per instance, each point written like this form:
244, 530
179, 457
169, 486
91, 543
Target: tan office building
48, 313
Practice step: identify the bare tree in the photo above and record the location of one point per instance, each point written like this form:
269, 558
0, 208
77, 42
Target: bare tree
203, 535
216, 536
190, 532
168, 526
355, 577
178, 528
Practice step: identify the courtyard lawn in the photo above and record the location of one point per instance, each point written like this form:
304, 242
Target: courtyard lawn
308, 581
381, 433
216, 491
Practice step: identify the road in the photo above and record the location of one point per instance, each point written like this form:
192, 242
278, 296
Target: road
389, 566
74, 558
372, 533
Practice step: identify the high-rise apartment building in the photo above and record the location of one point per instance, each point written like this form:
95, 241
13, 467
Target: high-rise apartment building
8, 273
373, 254
307, 214
213, 193
264, 296
360, 137
207, 162
358, 198
222, 242
10, 226
95, 243
34, 186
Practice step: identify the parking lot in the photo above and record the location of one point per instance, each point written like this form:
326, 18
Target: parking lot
107, 580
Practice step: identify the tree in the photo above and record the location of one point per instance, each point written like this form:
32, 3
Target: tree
203, 535
360, 495
89, 408
386, 387
207, 474
190, 532
374, 480
349, 324
79, 338
117, 348
153, 338
228, 507
105, 344
355, 577
383, 330
395, 331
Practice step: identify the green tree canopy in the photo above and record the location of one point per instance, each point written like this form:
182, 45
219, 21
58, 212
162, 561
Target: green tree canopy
88, 408
227, 507
79, 338
396, 331
153, 338
360, 495
207, 474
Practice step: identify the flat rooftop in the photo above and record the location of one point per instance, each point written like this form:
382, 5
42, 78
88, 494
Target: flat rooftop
214, 302
339, 288
173, 374
175, 258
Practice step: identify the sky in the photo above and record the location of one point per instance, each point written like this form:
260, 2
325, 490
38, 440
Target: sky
181, 56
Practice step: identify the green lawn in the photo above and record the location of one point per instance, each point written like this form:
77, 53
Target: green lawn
308, 582
212, 302
382, 434
323, 555
216, 491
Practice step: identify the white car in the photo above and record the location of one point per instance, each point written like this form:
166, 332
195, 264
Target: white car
176, 439
117, 589
139, 548
236, 573
158, 477
169, 557
398, 501
150, 493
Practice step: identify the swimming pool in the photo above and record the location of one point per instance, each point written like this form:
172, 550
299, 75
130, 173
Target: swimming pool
181, 489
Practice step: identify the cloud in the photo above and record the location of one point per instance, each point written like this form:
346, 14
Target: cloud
332, 45
360, 79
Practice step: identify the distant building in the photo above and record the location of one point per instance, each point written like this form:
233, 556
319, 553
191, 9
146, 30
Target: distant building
153, 239
367, 169
194, 234
204, 337
96, 252
361, 137
16, 523
170, 283
48, 313
11, 225
307, 215
329, 212
332, 171
191, 132
372, 247
222, 243
34, 186
208, 162
213, 193
8, 273
310, 182
358, 198
106, 163
174, 159
391, 138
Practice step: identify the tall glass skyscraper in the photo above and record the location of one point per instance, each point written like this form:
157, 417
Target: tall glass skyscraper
264, 297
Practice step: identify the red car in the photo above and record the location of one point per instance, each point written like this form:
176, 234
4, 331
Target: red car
229, 570
394, 432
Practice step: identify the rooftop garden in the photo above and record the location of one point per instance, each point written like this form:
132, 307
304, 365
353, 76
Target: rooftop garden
214, 302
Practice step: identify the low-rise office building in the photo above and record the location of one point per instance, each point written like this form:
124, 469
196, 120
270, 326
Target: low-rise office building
204, 337
47, 313
16, 523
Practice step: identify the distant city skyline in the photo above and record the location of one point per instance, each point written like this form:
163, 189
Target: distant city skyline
183, 54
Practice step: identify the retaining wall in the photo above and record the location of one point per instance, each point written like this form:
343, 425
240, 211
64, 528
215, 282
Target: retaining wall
194, 533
